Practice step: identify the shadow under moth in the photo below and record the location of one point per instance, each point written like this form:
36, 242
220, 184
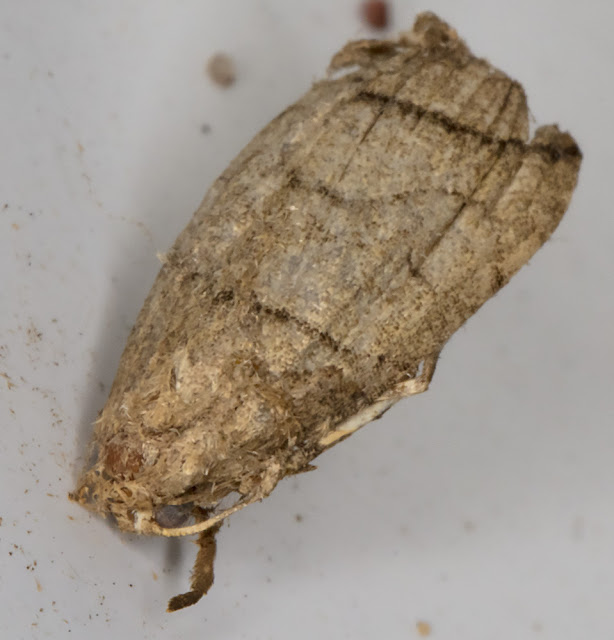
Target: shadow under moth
320, 278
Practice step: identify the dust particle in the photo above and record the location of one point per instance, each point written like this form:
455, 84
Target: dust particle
375, 13
424, 628
221, 70
15, 226
298, 517
155, 575
9, 383
205, 128
33, 335
39, 586
0, 522
469, 526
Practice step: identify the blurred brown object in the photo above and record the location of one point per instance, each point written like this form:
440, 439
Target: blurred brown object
221, 69
375, 13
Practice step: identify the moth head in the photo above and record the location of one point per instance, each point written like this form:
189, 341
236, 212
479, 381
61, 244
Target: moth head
115, 485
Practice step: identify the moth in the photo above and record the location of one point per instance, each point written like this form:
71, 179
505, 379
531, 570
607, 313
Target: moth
320, 278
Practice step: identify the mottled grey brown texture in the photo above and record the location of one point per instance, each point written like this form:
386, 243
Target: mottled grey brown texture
322, 274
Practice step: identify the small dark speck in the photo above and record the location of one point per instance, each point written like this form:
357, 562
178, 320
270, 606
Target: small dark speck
298, 517
6, 205
469, 526
205, 128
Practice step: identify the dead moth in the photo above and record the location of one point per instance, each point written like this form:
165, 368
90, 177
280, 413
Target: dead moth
320, 278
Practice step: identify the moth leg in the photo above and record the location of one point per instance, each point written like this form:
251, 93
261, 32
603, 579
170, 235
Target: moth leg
202, 574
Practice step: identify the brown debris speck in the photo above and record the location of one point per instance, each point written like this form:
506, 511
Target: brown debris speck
33, 335
423, 628
221, 69
375, 13
9, 382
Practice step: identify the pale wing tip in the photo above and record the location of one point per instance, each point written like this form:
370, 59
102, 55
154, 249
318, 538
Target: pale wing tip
430, 32
559, 144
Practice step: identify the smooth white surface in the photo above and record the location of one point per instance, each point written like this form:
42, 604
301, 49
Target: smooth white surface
483, 507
